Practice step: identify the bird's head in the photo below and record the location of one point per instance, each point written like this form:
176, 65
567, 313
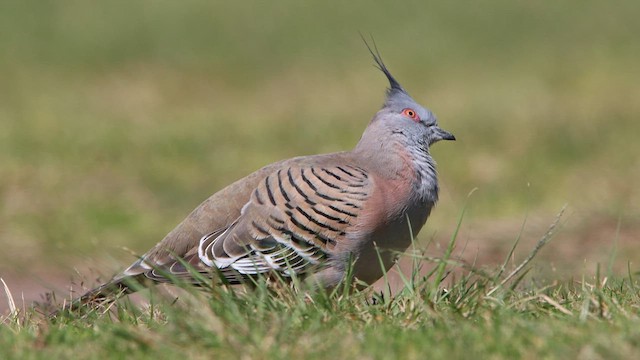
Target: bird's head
402, 115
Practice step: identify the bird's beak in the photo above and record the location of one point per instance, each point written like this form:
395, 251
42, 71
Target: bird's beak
444, 135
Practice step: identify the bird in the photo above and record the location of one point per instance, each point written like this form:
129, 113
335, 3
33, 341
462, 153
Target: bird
310, 217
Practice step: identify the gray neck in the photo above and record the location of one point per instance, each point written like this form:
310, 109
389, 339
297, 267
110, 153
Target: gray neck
426, 174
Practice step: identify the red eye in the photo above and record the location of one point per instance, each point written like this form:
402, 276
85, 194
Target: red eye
411, 114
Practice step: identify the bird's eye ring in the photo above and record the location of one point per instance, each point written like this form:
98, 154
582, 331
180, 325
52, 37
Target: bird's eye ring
411, 114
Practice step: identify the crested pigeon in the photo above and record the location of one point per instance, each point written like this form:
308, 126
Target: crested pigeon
309, 216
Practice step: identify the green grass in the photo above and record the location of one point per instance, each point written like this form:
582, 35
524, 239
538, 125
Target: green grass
470, 314
565, 321
117, 118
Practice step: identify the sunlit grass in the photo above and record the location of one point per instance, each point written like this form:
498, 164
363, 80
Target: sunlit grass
497, 314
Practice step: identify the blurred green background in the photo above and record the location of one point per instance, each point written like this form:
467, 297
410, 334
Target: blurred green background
119, 117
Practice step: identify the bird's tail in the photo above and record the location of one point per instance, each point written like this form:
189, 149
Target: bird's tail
104, 294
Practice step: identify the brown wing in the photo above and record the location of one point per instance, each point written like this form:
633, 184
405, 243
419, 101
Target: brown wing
292, 222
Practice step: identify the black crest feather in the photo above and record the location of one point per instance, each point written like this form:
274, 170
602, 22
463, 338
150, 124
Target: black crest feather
394, 85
